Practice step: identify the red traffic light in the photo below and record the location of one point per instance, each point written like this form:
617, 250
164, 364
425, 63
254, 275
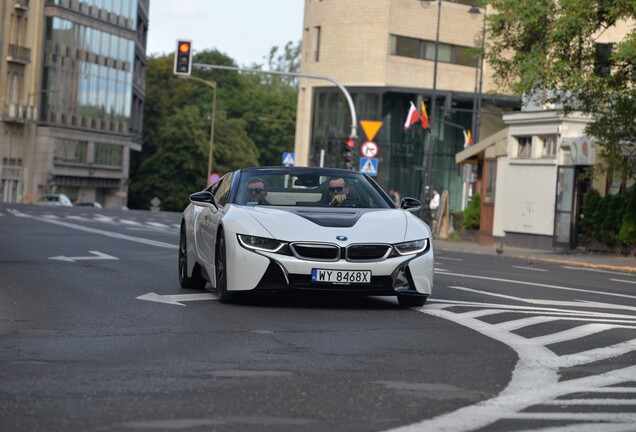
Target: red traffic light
350, 143
183, 58
184, 47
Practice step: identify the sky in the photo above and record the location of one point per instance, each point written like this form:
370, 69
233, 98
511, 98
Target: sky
245, 30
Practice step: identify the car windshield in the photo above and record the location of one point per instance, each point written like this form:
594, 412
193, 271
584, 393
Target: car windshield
308, 187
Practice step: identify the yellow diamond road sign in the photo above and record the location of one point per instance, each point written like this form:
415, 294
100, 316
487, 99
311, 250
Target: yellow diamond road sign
370, 128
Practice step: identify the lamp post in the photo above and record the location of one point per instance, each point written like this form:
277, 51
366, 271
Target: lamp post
211, 84
477, 104
432, 138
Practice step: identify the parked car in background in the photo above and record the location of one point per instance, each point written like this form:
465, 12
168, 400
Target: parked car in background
305, 228
54, 200
93, 204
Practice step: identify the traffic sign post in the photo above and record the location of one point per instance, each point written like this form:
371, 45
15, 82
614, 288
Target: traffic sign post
369, 166
369, 149
288, 159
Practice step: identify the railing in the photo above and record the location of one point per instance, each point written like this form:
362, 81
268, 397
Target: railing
13, 112
19, 54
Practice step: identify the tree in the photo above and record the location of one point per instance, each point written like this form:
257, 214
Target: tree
549, 49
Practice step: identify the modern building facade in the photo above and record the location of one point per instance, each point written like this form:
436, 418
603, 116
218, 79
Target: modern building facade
389, 53
72, 78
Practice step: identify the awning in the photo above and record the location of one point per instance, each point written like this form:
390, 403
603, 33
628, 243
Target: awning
480, 147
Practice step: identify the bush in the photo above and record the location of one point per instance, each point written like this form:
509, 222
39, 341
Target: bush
627, 232
472, 213
591, 201
609, 215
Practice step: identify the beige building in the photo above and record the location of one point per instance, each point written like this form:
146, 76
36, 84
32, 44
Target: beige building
383, 52
72, 77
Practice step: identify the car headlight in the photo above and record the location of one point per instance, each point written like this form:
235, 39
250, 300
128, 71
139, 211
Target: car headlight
260, 243
411, 247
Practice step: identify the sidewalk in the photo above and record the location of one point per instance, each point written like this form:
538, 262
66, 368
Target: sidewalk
574, 258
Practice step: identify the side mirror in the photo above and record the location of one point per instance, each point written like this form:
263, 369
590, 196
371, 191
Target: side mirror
410, 204
203, 199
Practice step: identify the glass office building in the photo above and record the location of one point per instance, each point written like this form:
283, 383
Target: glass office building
80, 96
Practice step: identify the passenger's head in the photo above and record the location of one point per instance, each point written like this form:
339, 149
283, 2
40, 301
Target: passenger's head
338, 186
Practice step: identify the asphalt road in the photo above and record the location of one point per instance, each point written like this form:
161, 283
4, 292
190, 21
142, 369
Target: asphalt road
95, 334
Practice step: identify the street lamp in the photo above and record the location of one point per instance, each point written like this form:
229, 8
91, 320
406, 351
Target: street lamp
432, 138
214, 88
477, 104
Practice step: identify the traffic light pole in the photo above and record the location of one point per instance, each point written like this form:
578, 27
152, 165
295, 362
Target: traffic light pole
354, 119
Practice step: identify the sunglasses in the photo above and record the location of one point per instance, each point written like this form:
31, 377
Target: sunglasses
256, 191
336, 189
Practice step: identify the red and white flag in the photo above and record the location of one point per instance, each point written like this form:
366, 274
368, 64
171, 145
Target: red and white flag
468, 138
411, 117
425, 123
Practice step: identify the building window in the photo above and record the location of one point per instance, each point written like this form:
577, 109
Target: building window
548, 146
422, 49
107, 154
317, 47
524, 146
70, 151
602, 59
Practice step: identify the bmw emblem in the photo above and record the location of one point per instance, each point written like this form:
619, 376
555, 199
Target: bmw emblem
341, 238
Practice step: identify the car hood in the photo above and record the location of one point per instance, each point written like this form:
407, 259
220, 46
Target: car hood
358, 225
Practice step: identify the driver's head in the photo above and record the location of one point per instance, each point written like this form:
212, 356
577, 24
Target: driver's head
256, 189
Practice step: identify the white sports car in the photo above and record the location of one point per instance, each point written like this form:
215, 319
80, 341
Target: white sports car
304, 228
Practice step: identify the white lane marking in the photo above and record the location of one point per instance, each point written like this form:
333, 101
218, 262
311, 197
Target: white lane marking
447, 258
575, 333
535, 380
526, 322
99, 231
176, 299
623, 281
593, 355
157, 224
593, 270
591, 402
575, 303
529, 268
557, 287
97, 255
129, 222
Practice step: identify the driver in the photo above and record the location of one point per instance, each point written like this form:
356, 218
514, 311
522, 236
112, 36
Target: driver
257, 191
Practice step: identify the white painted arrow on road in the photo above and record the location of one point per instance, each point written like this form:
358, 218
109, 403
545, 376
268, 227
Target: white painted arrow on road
176, 299
97, 255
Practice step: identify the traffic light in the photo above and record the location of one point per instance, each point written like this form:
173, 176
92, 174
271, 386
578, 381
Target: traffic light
347, 154
183, 58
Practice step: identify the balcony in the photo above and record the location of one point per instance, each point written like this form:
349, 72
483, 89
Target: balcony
18, 113
21, 5
19, 54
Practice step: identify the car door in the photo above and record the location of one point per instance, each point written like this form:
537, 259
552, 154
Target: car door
208, 219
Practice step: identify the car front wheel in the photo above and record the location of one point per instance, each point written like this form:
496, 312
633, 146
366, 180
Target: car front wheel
196, 281
220, 262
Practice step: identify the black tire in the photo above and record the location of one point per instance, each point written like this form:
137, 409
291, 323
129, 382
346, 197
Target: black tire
220, 265
195, 281
411, 300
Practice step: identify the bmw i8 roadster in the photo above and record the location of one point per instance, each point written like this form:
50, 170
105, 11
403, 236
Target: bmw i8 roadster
304, 228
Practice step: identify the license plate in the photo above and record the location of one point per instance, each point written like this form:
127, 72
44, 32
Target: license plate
341, 276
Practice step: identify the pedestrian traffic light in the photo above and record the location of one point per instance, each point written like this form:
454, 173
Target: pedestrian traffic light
183, 58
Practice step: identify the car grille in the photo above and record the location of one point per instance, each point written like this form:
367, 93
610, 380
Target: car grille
332, 252
368, 252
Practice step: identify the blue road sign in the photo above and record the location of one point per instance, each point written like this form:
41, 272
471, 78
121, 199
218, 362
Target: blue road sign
288, 159
369, 166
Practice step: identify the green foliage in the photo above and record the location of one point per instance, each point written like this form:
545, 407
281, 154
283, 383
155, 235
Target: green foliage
472, 213
591, 202
254, 124
548, 49
609, 217
627, 233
